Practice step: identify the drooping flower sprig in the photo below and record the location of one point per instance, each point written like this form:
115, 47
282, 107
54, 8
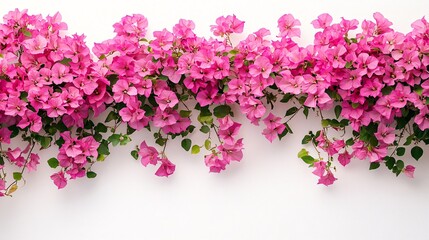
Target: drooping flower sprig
53, 91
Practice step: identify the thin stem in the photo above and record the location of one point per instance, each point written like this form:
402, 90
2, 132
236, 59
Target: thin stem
23, 168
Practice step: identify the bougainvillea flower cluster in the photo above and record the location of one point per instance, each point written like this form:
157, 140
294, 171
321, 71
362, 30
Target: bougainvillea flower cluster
55, 91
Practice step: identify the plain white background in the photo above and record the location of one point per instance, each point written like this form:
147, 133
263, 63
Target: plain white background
271, 194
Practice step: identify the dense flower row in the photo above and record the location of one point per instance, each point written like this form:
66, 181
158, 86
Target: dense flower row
52, 89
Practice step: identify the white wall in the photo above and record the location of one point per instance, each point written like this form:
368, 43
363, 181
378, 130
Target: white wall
269, 195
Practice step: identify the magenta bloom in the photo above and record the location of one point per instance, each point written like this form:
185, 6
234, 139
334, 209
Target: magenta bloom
261, 66
287, 25
227, 25
59, 179
36, 45
149, 155
409, 171
166, 169
5, 135
166, 99
215, 164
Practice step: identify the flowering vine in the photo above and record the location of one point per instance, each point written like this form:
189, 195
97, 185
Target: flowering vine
373, 84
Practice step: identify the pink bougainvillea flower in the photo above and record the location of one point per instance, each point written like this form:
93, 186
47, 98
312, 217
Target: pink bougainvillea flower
15, 156
344, 158
71, 146
227, 25
228, 134
15, 106
5, 135
59, 179
132, 26
31, 119
232, 152
327, 179
35, 45
149, 155
55, 107
166, 169
409, 171
166, 99
287, 25
123, 90
320, 168
261, 66
34, 161
385, 134
2, 187
215, 164
274, 127
322, 21
422, 119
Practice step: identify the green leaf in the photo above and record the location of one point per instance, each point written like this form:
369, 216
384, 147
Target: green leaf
104, 148
400, 165
101, 157
53, 162
373, 141
207, 144
60, 142
390, 162
114, 139
185, 114
305, 112
308, 159
291, 111
124, 139
101, 128
45, 142
350, 142
283, 134
112, 116
130, 130
184, 97
113, 78
161, 141
418, 89
17, 176
149, 112
91, 174
135, 154
221, 111
195, 149
349, 65
15, 131
205, 119
204, 111
416, 152
374, 165
387, 90
337, 110
306, 139
302, 153
286, 98
23, 96
1, 161
26, 32
186, 144
325, 123
288, 128
400, 151
65, 61
205, 129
